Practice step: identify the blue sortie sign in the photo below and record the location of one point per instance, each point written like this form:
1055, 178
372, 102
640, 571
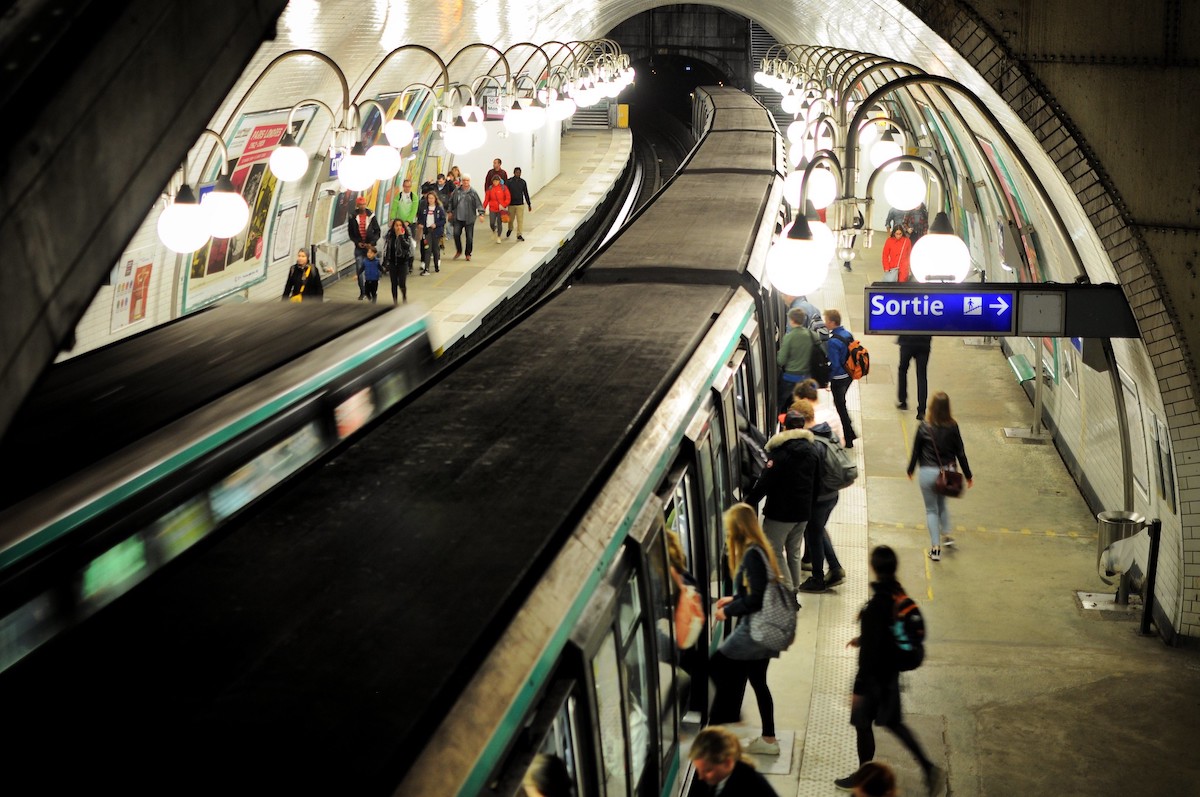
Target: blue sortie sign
948, 312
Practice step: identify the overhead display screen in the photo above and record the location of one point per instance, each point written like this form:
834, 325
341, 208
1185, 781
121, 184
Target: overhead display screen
929, 311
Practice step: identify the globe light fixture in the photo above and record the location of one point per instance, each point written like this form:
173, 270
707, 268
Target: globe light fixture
536, 114
791, 102
225, 211
868, 134
795, 131
904, 189
797, 263
885, 149
354, 171
793, 184
822, 187
399, 132
940, 255
561, 107
181, 225
384, 160
288, 162
457, 137
514, 118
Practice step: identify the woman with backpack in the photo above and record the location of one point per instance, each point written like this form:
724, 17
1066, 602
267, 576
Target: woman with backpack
740, 658
938, 445
876, 697
815, 533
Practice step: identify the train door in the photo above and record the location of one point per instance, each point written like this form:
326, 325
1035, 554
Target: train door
725, 391
751, 379
699, 435
631, 691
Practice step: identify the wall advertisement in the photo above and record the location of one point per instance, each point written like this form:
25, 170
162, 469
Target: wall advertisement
131, 289
228, 265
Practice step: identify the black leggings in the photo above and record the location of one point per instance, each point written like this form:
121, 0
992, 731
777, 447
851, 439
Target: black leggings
866, 742
730, 677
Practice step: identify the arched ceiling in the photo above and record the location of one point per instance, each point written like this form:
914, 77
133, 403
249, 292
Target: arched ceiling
57, 282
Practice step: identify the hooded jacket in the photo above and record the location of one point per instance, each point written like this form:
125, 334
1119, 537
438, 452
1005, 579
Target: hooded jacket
876, 648
792, 477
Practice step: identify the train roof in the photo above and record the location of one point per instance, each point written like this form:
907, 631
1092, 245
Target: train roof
741, 150
316, 645
85, 408
657, 247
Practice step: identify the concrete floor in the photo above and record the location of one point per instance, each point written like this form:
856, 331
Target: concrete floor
1021, 693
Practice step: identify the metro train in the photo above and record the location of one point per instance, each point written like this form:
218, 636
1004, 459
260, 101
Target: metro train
476, 577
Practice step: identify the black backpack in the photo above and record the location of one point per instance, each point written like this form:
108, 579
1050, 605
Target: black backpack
754, 457
819, 367
908, 632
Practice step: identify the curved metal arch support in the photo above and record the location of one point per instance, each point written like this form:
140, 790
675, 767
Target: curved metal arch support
521, 68
983, 110
819, 157
288, 56
475, 45
402, 48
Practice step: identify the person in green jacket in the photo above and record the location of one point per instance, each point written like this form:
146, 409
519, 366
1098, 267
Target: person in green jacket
795, 355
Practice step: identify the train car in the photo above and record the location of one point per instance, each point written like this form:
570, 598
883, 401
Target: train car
475, 579
138, 450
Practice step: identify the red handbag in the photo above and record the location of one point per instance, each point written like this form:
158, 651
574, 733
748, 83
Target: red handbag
689, 613
949, 481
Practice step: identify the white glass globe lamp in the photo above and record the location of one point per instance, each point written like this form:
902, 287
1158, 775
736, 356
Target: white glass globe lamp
904, 189
868, 134
796, 264
355, 172
822, 187
471, 114
940, 255
385, 161
795, 131
225, 211
515, 119
561, 108
792, 186
536, 114
791, 102
885, 149
181, 225
760, 78
399, 132
288, 161
457, 137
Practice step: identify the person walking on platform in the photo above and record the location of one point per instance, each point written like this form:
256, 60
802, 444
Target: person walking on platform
432, 220
938, 444
740, 659
518, 191
795, 355
398, 258
913, 348
303, 282
496, 200
876, 699
404, 207
371, 273
495, 171
363, 228
896, 251
790, 483
465, 208
839, 379
916, 223
874, 779
721, 768
816, 534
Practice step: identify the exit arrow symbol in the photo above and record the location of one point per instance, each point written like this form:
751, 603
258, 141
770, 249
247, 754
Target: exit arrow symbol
999, 305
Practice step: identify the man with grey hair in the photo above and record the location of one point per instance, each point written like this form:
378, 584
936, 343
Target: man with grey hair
467, 207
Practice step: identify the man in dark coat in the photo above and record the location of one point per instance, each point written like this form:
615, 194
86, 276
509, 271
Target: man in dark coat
913, 348
720, 769
790, 483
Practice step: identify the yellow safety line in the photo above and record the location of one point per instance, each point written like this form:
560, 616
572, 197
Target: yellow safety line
1027, 532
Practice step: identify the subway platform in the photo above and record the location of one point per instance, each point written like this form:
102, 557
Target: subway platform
1021, 692
462, 293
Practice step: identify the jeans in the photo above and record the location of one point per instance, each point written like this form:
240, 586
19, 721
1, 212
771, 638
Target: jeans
359, 256
494, 222
432, 234
921, 355
937, 516
787, 536
839, 386
459, 228
816, 535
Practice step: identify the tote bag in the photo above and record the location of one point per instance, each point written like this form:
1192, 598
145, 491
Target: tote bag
774, 625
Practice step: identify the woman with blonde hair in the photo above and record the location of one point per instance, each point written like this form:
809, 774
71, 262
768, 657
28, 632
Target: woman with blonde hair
752, 562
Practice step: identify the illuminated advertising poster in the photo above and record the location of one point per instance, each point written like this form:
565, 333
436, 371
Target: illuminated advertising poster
131, 291
228, 265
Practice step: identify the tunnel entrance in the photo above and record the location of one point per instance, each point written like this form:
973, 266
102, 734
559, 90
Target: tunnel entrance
665, 83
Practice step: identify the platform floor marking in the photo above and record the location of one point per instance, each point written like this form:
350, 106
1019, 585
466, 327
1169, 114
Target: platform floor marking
1074, 534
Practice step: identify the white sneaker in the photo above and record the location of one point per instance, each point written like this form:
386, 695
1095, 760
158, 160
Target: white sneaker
759, 746
947, 540
935, 554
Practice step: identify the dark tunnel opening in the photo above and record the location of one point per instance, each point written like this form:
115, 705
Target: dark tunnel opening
665, 82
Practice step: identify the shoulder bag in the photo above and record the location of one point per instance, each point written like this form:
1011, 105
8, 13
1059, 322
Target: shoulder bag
689, 613
774, 625
299, 297
949, 481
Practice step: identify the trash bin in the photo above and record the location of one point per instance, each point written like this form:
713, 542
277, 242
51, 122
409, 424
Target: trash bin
1113, 526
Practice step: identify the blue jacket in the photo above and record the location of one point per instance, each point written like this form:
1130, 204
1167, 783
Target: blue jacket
371, 269
839, 351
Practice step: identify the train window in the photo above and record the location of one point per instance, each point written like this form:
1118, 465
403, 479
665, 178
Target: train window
563, 740
630, 608
662, 598
678, 511
607, 676
638, 705
753, 343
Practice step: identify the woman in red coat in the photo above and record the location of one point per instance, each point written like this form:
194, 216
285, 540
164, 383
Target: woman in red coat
896, 252
495, 202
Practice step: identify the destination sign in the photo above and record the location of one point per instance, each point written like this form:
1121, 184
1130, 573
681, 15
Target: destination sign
927, 310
